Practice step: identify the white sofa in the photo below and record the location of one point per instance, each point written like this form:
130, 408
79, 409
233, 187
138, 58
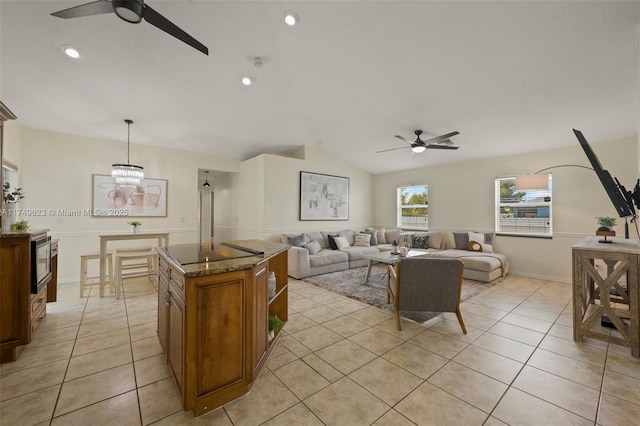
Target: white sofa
480, 266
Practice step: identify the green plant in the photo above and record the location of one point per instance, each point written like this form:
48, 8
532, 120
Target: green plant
275, 323
20, 226
606, 221
9, 196
134, 223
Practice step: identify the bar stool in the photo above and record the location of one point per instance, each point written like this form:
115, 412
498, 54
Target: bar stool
140, 262
84, 266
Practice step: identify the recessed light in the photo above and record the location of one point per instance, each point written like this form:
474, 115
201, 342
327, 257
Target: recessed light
70, 51
247, 81
290, 18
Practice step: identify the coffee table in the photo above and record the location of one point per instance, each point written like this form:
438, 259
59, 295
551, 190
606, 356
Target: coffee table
387, 258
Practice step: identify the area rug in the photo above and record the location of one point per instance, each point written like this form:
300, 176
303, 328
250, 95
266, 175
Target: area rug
350, 283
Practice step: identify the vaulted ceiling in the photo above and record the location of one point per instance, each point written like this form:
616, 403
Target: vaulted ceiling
511, 77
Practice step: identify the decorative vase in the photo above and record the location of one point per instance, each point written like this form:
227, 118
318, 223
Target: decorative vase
272, 334
135, 229
9, 217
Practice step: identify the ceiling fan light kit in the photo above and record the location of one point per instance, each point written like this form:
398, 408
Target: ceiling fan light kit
129, 10
419, 145
132, 11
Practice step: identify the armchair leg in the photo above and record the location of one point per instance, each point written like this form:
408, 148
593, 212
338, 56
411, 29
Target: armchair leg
459, 315
398, 319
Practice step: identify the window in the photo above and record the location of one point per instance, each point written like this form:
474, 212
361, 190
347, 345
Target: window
412, 207
522, 212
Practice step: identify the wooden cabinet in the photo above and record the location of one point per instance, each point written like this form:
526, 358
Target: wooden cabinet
20, 311
611, 291
52, 287
213, 325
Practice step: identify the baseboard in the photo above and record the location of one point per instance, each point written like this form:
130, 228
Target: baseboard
542, 277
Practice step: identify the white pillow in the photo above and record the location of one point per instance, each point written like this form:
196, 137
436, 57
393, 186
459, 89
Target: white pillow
380, 236
341, 242
479, 237
362, 240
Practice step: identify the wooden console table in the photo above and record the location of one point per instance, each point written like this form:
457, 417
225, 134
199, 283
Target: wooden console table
162, 237
612, 293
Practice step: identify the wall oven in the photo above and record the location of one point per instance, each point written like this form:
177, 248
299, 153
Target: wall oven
40, 263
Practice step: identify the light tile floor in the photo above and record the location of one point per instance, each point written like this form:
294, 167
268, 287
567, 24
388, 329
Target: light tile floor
98, 361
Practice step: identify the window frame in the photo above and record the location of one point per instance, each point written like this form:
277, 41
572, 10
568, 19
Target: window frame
499, 226
399, 207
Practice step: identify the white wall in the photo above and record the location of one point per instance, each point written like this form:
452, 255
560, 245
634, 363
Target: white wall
55, 171
461, 197
282, 192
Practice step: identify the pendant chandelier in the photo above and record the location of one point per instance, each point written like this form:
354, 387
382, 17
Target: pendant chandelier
127, 174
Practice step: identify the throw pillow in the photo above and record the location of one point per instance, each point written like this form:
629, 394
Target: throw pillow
484, 239
349, 235
341, 242
419, 241
476, 236
312, 246
380, 236
435, 240
461, 240
297, 240
332, 242
362, 240
373, 240
474, 246
392, 235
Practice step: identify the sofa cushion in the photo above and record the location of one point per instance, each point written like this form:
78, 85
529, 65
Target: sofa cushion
317, 236
295, 239
373, 240
392, 235
435, 240
484, 240
461, 240
362, 240
357, 253
478, 263
419, 241
341, 242
380, 236
348, 234
327, 257
313, 247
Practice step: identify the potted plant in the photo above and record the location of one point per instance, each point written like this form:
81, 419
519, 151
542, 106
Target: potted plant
275, 324
606, 223
134, 226
20, 226
9, 196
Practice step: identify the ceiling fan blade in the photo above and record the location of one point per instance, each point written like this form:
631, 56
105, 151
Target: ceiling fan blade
441, 147
392, 149
405, 139
442, 137
159, 21
96, 8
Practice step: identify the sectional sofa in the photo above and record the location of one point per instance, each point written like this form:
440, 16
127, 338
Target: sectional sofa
314, 253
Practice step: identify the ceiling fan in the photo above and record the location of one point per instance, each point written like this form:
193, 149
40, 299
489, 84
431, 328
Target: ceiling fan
131, 11
418, 146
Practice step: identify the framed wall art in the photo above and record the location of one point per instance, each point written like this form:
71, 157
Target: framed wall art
110, 199
323, 197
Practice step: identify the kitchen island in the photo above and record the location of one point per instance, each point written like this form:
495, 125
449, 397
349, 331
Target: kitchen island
213, 310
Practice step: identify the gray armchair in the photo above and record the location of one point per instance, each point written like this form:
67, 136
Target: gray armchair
425, 284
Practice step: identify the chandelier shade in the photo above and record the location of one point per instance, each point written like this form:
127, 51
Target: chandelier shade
127, 174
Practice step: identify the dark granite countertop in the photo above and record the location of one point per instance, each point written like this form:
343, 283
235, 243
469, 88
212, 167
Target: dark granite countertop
221, 266
29, 233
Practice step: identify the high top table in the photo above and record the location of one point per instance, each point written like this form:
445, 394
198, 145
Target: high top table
162, 237
612, 292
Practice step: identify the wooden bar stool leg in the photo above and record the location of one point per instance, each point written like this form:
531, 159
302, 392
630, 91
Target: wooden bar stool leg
83, 274
112, 284
117, 277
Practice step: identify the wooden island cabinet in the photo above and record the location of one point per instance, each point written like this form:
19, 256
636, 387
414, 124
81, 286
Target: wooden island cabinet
213, 321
